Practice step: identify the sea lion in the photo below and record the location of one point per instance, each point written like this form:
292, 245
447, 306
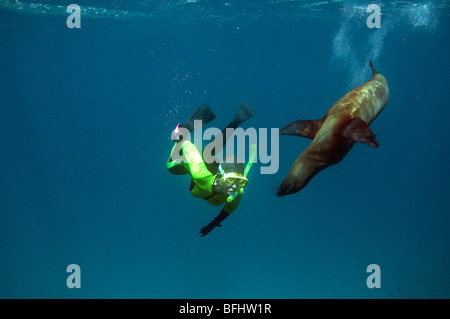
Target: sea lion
345, 123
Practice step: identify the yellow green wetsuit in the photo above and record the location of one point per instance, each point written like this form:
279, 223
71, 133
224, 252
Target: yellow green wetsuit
203, 180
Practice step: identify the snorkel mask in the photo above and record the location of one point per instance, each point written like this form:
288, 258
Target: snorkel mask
240, 181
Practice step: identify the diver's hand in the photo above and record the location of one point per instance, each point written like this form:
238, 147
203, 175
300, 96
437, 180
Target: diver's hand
215, 223
207, 229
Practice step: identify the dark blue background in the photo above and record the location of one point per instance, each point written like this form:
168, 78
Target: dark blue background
85, 120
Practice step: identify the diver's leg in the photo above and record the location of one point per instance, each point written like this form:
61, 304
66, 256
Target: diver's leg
244, 113
203, 114
175, 163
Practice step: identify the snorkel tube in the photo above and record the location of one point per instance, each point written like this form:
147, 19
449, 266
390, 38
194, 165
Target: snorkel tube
247, 169
250, 161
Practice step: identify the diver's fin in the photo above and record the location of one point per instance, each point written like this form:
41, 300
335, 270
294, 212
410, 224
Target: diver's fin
244, 113
359, 131
303, 128
204, 114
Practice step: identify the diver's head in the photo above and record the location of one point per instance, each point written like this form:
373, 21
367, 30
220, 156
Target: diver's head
230, 178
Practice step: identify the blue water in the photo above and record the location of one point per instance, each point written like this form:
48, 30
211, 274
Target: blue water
85, 122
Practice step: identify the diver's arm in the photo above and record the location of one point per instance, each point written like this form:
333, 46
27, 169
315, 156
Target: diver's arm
224, 213
215, 223
219, 218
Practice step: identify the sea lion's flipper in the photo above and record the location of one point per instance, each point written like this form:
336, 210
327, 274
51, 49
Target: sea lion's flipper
204, 114
244, 113
303, 128
359, 131
374, 71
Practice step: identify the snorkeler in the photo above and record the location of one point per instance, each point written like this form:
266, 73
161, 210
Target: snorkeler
217, 183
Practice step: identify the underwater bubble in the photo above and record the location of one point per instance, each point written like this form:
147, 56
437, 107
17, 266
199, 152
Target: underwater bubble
421, 15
